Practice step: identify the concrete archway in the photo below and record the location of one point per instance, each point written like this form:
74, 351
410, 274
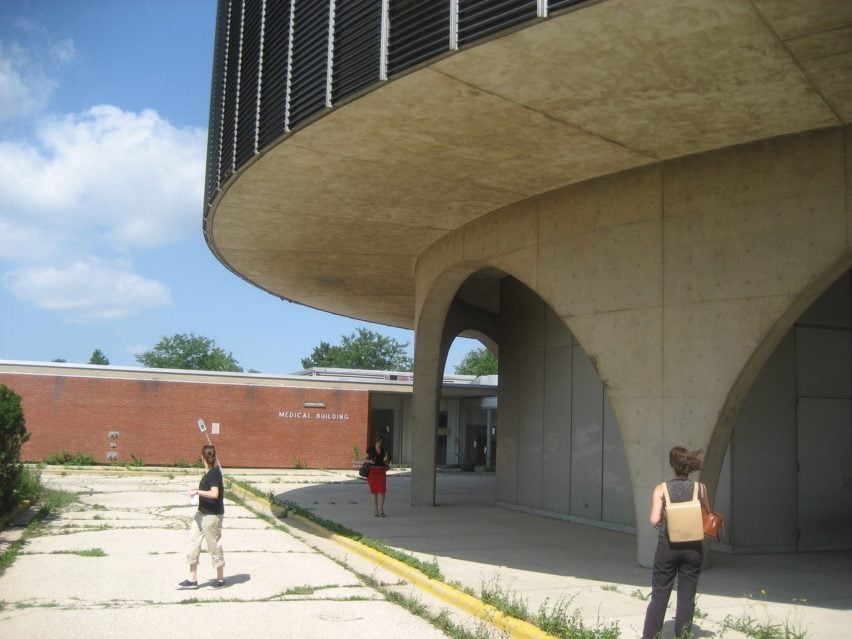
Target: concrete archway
672, 276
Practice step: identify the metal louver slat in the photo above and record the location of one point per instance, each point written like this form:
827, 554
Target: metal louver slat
310, 59
357, 46
554, 5
273, 79
226, 165
419, 30
249, 62
479, 18
214, 138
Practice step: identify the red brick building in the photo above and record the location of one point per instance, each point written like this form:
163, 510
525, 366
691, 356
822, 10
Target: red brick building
317, 420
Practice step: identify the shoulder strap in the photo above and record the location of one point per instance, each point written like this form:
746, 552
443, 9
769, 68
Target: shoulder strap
666, 492
695, 491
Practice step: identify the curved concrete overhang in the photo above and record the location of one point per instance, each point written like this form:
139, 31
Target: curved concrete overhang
336, 214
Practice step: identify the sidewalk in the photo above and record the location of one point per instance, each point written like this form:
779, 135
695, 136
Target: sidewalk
108, 567
543, 560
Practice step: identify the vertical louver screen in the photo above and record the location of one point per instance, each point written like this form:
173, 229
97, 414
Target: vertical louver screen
226, 167
273, 78
249, 63
277, 52
310, 59
419, 30
357, 46
214, 139
479, 18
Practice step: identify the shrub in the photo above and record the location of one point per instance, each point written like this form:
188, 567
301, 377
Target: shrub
64, 458
29, 485
13, 434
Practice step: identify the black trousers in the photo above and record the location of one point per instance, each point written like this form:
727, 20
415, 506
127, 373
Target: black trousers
681, 560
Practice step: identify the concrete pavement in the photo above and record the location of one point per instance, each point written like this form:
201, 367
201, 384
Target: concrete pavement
543, 561
107, 566
287, 581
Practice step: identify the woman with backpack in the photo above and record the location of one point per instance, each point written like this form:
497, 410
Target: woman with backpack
676, 558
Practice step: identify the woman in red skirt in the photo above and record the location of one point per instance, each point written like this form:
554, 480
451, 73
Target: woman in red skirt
378, 459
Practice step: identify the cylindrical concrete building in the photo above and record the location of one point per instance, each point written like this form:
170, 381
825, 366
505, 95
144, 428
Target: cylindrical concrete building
645, 206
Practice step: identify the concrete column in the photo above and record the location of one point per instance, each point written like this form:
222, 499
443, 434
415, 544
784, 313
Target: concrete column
428, 374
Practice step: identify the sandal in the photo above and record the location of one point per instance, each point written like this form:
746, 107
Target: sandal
381, 514
376, 514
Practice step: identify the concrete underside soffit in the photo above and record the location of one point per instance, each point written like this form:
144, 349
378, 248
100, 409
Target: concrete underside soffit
336, 215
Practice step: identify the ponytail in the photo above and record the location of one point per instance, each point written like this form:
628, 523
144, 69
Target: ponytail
684, 461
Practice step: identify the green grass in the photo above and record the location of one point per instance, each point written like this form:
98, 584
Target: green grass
51, 502
558, 620
762, 630
64, 458
90, 552
506, 601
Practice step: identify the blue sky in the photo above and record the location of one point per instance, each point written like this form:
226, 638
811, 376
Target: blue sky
103, 127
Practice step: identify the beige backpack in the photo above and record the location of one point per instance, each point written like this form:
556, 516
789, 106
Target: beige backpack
683, 518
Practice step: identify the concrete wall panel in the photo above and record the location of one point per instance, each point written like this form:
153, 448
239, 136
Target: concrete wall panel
608, 269
763, 219
617, 488
556, 477
625, 342
505, 231
822, 360
530, 428
587, 438
763, 513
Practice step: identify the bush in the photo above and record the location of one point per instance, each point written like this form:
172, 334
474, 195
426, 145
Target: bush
13, 434
29, 485
64, 458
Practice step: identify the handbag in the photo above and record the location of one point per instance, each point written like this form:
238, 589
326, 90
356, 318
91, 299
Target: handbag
713, 523
364, 471
683, 518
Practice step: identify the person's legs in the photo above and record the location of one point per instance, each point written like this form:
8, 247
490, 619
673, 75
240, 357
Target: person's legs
194, 546
665, 568
381, 503
212, 527
375, 503
687, 583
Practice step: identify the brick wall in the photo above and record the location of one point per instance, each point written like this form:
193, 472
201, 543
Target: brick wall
259, 426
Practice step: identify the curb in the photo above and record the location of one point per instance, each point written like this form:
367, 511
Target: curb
516, 628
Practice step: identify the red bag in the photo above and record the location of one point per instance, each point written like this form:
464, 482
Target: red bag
713, 523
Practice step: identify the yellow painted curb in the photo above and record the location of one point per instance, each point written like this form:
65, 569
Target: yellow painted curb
515, 627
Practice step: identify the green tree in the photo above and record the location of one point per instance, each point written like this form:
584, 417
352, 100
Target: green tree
363, 349
189, 351
13, 434
477, 362
98, 358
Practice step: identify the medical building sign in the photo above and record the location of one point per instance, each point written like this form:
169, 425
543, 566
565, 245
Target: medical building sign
306, 414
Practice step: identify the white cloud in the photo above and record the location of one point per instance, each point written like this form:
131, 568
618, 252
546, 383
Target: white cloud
124, 180
87, 193
87, 291
23, 91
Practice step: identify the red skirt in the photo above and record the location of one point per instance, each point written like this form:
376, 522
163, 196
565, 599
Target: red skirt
377, 479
